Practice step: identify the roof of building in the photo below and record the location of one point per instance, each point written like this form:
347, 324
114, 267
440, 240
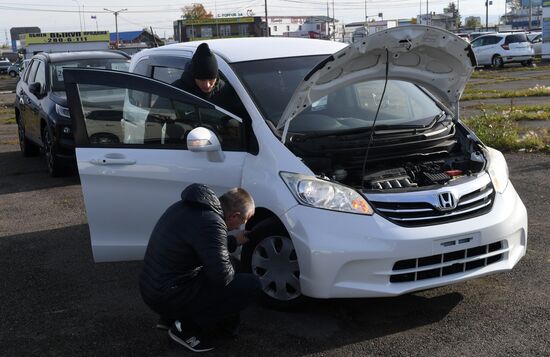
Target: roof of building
126, 35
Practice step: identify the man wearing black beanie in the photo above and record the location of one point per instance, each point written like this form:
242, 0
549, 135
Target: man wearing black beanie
201, 78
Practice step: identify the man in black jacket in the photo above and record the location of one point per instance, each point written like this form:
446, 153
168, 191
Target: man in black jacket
201, 78
187, 275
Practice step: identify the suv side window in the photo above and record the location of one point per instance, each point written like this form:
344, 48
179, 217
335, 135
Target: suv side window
493, 40
31, 71
41, 76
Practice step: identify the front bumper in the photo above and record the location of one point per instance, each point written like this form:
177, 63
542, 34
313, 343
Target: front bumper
346, 255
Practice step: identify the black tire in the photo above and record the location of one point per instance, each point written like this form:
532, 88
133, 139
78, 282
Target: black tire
13, 74
497, 62
28, 148
272, 232
527, 63
56, 168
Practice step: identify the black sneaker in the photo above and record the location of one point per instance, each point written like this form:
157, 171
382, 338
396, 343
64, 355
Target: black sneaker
164, 323
188, 339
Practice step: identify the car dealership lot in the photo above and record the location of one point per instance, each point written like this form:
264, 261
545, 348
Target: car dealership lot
55, 300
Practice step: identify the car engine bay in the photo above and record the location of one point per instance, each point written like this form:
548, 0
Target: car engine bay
397, 160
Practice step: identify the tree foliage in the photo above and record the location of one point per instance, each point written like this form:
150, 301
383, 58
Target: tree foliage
453, 10
195, 12
473, 22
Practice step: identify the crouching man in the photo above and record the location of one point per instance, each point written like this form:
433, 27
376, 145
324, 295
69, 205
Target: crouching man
187, 276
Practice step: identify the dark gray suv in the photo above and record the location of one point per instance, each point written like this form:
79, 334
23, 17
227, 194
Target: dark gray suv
41, 109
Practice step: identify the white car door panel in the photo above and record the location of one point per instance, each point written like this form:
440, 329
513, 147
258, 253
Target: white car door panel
127, 185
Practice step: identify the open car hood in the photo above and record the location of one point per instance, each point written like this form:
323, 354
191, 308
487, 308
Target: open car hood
430, 57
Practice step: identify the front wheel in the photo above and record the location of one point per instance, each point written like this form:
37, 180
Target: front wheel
55, 166
13, 74
271, 256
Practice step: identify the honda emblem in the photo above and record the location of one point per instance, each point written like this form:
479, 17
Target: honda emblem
447, 201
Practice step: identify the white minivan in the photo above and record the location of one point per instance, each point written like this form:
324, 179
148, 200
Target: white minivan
366, 183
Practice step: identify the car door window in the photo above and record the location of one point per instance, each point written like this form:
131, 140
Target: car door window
127, 117
167, 74
493, 40
41, 76
32, 71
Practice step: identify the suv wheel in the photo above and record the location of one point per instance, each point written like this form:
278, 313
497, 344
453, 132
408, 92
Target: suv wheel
27, 147
270, 255
55, 167
497, 62
13, 74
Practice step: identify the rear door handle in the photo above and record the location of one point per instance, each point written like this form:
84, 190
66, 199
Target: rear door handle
113, 159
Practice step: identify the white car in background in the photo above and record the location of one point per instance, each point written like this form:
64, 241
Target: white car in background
365, 181
500, 48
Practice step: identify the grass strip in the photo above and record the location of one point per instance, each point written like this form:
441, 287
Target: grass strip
516, 113
7, 121
503, 133
536, 91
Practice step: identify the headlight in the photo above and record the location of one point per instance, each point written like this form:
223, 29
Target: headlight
314, 192
497, 169
64, 112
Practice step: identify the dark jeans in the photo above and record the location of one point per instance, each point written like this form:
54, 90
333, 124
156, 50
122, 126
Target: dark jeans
213, 304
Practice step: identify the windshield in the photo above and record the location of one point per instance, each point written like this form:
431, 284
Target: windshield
354, 106
272, 82
56, 69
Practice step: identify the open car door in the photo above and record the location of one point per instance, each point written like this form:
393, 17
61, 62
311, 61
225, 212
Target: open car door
131, 134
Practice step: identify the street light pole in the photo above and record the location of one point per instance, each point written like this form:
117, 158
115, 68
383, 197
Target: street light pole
486, 15
79, 16
266, 20
116, 22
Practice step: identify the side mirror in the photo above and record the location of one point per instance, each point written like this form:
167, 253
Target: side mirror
204, 140
35, 89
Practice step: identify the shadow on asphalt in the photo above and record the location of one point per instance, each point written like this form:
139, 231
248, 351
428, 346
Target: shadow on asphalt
22, 174
55, 299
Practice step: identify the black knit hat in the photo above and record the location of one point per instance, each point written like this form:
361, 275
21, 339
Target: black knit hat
203, 63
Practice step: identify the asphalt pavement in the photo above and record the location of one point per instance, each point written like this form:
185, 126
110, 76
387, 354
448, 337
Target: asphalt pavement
54, 300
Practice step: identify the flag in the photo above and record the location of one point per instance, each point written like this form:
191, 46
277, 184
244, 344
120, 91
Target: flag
93, 17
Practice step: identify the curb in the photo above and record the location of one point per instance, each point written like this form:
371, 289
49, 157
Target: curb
7, 92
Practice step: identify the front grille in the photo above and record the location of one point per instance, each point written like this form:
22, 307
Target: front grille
422, 213
455, 262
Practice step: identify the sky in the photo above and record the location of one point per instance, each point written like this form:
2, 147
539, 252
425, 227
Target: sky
73, 15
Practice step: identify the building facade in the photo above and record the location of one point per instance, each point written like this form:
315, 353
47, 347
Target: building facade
226, 27
322, 27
